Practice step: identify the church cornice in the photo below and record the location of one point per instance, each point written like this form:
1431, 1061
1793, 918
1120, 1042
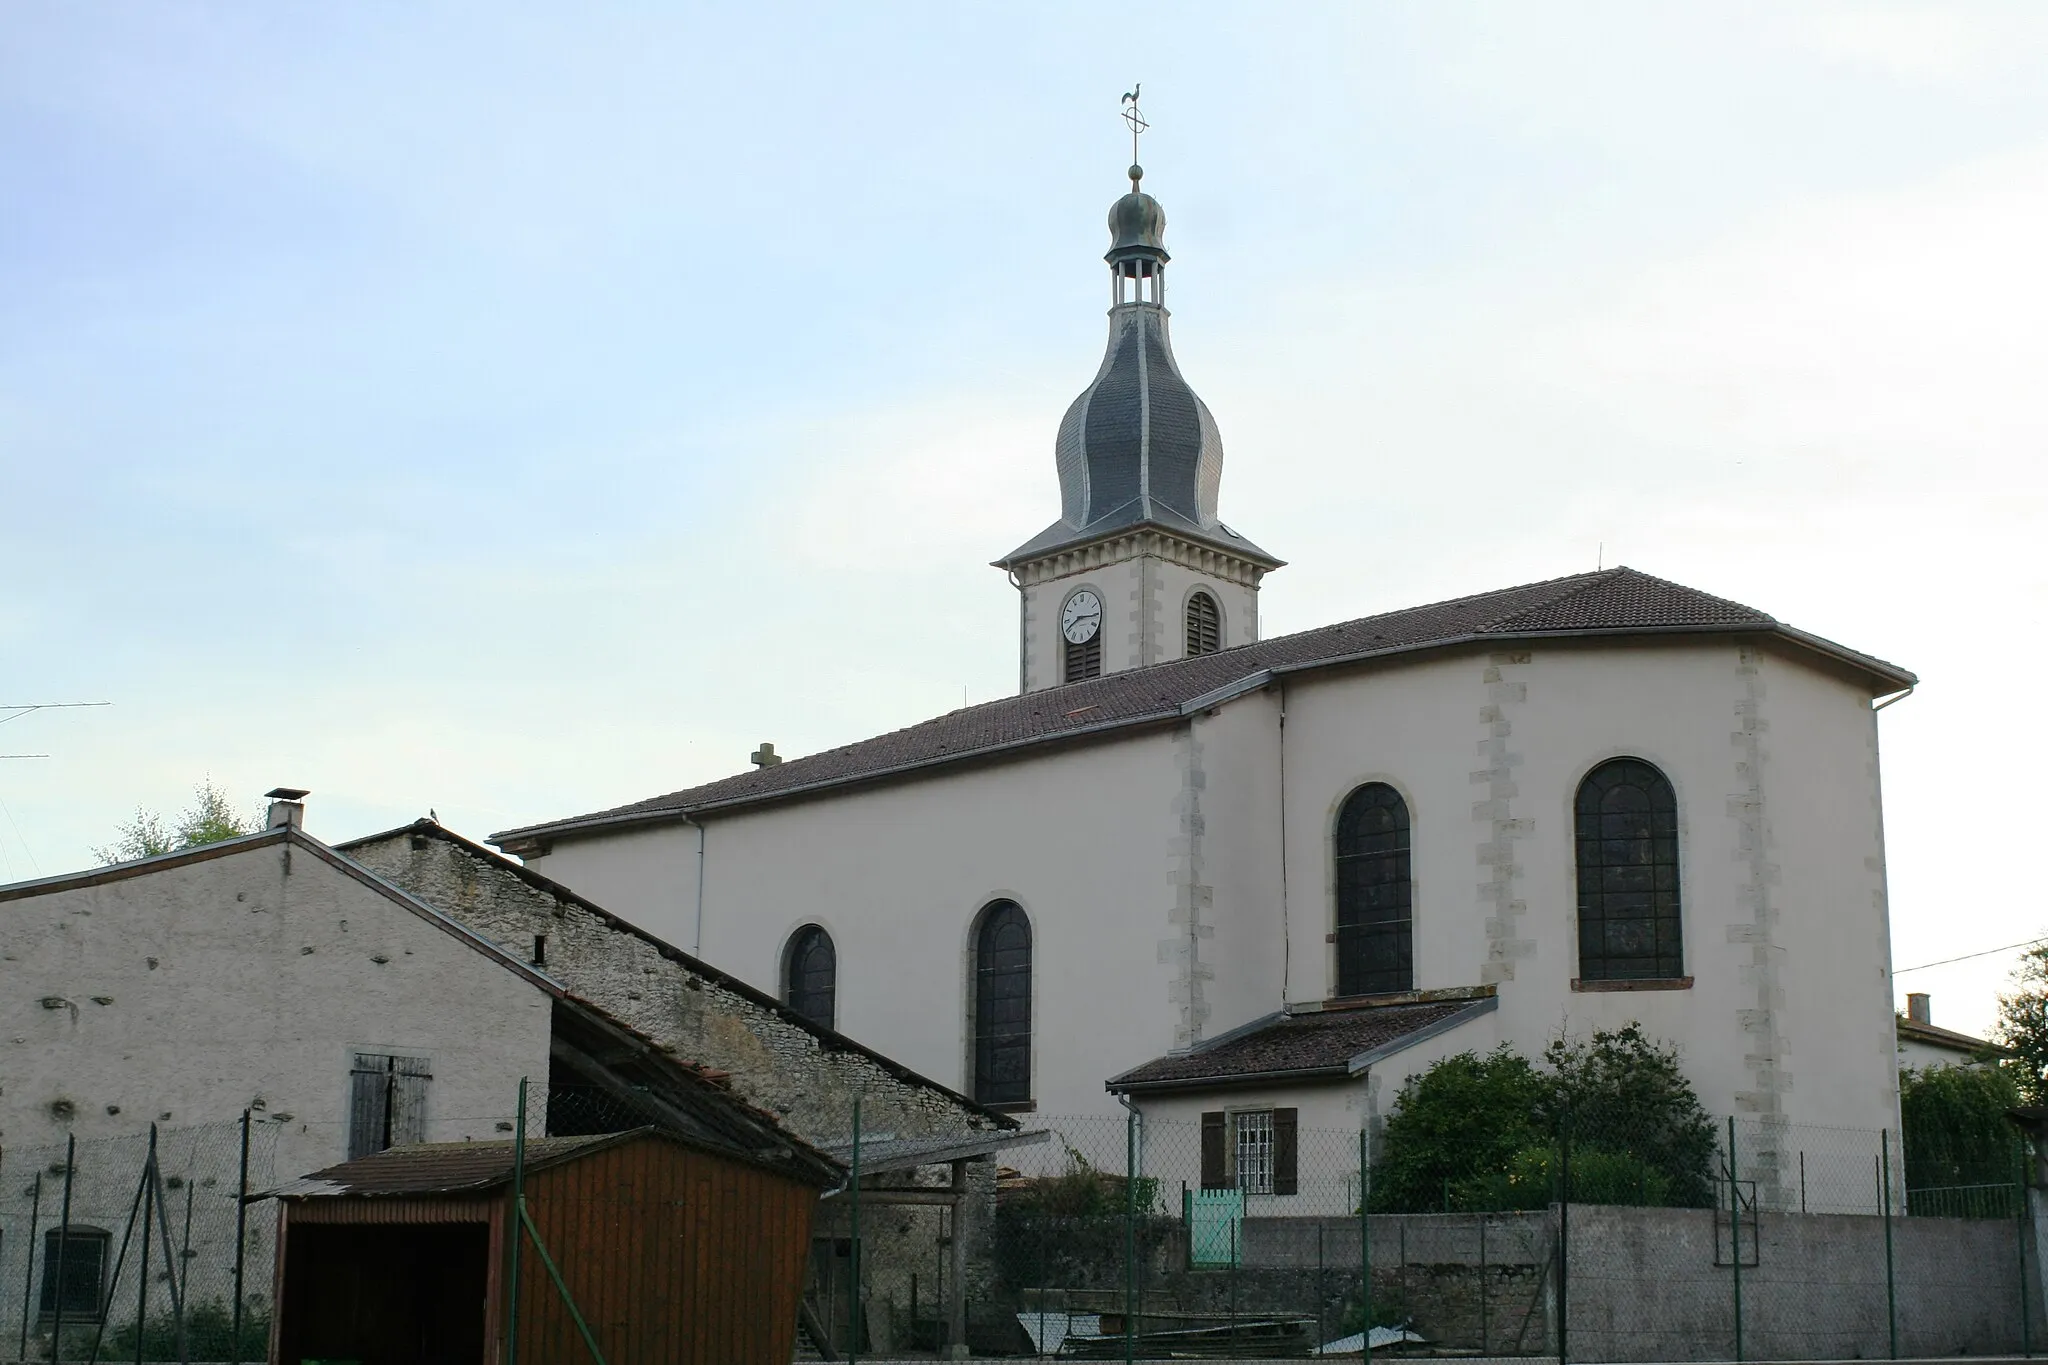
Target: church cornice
1140, 543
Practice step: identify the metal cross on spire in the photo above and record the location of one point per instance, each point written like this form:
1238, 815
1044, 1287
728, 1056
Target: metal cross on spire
1135, 120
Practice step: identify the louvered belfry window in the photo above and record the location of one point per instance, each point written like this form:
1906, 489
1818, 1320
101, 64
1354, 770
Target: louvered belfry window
1629, 923
1085, 659
1375, 894
811, 975
1002, 1005
387, 1102
1205, 625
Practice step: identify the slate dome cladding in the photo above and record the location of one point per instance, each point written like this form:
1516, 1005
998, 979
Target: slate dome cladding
1138, 441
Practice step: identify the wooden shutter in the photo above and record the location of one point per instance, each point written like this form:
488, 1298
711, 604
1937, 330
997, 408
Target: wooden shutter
369, 1094
1285, 1146
409, 1077
1213, 1132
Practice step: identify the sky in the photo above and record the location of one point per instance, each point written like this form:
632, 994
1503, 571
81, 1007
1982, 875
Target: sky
516, 410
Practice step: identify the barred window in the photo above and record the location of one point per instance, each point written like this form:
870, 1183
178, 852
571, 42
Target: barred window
1002, 1005
1255, 1151
1375, 919
810, 975
1627, 826
77, 1289
1204, 625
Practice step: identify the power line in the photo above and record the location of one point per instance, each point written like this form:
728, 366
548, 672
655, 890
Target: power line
2030, 943
22, 708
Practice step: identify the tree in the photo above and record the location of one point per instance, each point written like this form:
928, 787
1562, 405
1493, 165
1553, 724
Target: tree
2022, 1027
209, 819
1953, 1126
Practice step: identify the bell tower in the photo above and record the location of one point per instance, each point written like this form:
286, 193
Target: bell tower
1138, 569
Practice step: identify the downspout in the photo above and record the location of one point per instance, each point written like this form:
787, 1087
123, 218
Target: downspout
1138, 1117
1023, 633
1286, 928
697, 936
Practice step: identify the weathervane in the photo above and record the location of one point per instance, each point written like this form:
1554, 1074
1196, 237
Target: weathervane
1136, 122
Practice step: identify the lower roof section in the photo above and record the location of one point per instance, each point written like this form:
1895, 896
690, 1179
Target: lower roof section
1332, 1043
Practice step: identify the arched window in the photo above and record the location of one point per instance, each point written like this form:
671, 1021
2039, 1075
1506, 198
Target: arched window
1627, 818
1375, 924
1002, 1005
1205, 625
810, 974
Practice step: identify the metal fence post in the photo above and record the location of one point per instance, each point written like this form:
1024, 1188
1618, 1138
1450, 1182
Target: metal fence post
1891, 1295
853, 1299
1735, 1233
1482, 1284
28, 1278
1364, 1248
142, 1279
2020, 1245
63, 1241
515, 1231
1564, 1236
1131, 1235
241, 1236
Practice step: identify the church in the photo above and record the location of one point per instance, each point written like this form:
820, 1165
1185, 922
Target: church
1199, 870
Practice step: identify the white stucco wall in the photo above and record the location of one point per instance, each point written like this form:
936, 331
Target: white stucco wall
1494, 875
1151, 870
189, 993
1086, 844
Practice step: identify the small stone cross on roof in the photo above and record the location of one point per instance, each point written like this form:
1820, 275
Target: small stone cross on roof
765, 756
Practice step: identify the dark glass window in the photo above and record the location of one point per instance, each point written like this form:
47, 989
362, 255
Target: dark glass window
811, 975
1375, 922
1627, 818
1002, 1005
1085, 659
83, 1286
1205, 625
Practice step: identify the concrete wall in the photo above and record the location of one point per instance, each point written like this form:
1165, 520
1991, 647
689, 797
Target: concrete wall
1657, 1284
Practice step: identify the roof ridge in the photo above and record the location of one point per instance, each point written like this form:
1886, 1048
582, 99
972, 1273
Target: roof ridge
1568, 588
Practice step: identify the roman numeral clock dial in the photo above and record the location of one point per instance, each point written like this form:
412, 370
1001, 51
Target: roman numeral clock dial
1082, 618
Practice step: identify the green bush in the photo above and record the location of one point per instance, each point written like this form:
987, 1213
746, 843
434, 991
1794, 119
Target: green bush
1467, 1114
1532, 1177
209, 1335
1479, 1132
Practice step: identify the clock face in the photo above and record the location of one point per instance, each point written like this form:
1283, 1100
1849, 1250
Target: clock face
1082, 617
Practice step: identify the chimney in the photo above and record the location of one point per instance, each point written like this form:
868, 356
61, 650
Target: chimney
765, 756
287, 808
1919, 1009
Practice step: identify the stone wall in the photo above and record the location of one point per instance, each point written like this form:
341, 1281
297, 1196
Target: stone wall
805, 1075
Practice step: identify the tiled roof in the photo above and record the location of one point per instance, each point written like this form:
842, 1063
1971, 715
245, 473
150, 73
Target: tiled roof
1300, 1046
1933, 1035
443, 1167
1617, 601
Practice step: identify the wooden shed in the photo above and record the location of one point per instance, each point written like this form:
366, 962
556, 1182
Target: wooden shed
673, 1250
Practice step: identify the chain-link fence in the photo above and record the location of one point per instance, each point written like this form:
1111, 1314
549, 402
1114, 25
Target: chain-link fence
138, 1247
1602, 1237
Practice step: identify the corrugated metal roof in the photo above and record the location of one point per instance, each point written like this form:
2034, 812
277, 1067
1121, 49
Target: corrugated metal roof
1618, 602
441, 1167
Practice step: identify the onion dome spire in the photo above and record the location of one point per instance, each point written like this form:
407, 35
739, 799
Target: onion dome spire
1138, 447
